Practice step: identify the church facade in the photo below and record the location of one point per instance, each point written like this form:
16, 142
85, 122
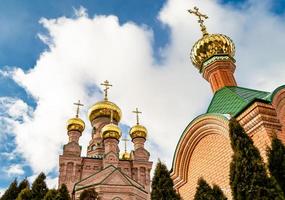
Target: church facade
204, 148
114, 176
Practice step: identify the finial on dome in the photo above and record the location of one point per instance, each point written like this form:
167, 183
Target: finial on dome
107, 87
201, 17
138, 130
137, 112
76, 124
125, 140
78, 104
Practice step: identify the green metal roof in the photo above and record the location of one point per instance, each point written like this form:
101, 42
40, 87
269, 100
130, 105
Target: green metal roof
232, 99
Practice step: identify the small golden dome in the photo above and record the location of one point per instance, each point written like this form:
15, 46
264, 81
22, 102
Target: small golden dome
75, 124
111, 131
138, 131
126, 156
103, 109
210, 45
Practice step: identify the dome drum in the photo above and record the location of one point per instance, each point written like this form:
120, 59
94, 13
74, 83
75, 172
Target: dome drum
215, 58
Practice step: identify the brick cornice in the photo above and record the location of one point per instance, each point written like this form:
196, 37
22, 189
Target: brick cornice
257, 115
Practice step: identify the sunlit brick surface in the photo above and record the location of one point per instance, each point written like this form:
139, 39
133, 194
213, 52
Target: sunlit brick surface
210, 160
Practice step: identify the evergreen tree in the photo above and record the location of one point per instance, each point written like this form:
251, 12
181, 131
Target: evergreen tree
62, 193
276, 162
89, 194
248, 177
12, 192
51, 194
162, 184
218, 193
39, 187
205, 192
23, 185
25, 194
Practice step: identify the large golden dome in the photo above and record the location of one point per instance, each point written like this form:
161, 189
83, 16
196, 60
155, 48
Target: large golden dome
211, 45
111, 131
75, 124
104, 109
138, 131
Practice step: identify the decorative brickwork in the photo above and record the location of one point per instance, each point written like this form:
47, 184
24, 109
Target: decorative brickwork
210, 160
260, 121
203, 150
111, 176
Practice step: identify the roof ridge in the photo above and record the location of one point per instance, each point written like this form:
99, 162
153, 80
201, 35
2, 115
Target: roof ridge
255, 90
212, 100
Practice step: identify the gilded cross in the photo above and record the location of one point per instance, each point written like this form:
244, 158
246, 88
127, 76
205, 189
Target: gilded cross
107, 87
78, 104
137, 112
201, 17
125, 140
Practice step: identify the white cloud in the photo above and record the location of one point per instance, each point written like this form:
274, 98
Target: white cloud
14, 170
12, 112
9, 155
85, 51
52, 182
2, 190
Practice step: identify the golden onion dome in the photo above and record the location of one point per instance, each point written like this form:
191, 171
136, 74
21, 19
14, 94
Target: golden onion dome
211, 45
138, 131
75, 124
104, 109
126, 156
111, 131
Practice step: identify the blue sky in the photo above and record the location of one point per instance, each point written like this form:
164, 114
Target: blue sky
20, 47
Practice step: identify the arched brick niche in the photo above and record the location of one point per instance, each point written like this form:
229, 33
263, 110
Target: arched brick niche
278, 101
203, 151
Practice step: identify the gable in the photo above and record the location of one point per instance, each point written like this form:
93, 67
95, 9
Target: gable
96, 177
108, 176
116, 178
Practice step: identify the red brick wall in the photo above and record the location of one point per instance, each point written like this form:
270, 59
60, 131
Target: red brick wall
210, 159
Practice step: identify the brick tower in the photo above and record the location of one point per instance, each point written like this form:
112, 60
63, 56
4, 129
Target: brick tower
103, 169
204, 147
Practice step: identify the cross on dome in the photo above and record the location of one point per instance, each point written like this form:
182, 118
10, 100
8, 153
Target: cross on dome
107, 86
78, 104
201, 17
137, 112
125, 140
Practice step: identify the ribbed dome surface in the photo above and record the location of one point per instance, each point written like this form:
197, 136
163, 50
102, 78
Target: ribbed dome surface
210, 45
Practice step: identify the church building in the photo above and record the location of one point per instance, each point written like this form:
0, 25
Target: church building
204, 148
114, 176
